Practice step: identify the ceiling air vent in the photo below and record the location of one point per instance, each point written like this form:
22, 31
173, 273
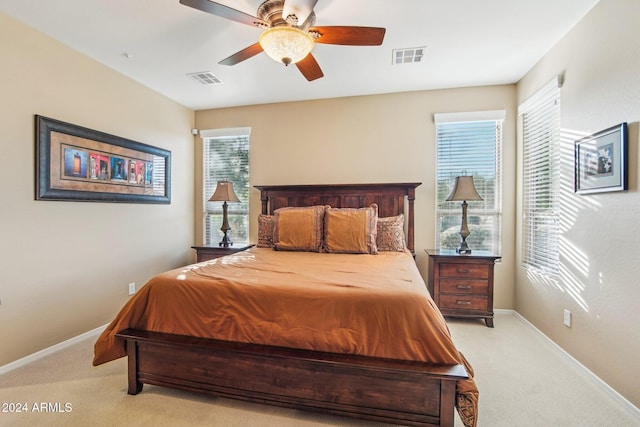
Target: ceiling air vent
206, 78
407, 56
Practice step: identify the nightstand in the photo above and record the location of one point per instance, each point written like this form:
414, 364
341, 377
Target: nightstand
205, 253
462, 284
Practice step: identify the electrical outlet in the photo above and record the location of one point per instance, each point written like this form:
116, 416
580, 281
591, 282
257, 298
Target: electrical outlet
132, 288
567, 318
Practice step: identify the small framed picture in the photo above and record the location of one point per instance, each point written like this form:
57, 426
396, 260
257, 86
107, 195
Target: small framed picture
601, 161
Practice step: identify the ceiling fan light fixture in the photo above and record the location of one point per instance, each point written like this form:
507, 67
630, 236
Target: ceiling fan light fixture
287, 45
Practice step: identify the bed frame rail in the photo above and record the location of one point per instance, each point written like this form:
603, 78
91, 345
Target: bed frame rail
396, 391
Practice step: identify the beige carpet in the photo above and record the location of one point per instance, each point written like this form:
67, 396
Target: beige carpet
523, 382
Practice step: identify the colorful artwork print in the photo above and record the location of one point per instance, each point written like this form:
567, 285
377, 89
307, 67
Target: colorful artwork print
136, 172
75, 163
140, 167
148, 176
118, 169
98, 166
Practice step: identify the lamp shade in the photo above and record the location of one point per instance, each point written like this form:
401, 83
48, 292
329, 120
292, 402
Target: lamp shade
224, 193
463, 189
286, 44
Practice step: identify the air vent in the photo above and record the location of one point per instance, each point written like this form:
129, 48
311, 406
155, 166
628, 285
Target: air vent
206, 78
407, 56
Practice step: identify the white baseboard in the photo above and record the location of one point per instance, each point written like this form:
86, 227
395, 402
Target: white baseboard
629, 407
49, 350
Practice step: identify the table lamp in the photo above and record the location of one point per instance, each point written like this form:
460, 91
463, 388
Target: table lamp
463, 190
224, 193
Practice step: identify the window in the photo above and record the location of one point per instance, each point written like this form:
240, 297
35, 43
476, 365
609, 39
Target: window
540, 116
470, 144
226, 157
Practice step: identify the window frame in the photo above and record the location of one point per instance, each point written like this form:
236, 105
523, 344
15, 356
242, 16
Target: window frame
475, 121
540, 124
212, 211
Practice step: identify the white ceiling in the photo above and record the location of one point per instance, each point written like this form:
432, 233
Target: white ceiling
468, 43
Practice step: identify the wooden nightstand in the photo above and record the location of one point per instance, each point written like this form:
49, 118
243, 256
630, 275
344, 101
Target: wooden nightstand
205, 253
462, 285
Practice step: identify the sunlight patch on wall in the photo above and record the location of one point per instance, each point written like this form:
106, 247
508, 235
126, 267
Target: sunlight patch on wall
542, 280
575, 257
574, 262
574, 270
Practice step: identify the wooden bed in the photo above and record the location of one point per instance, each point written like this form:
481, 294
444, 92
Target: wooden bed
395, 391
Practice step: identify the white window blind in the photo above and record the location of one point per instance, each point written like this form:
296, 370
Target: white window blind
226, 157
540, 116
470, 144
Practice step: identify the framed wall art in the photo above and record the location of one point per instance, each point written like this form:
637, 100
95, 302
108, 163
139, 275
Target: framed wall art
79, 164
601, 161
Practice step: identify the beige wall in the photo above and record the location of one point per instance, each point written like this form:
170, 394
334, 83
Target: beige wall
65, 266
600, 240
381, 138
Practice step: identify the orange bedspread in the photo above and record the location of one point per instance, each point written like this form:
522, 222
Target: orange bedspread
374, 305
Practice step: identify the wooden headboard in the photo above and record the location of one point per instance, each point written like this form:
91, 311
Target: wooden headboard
390, 199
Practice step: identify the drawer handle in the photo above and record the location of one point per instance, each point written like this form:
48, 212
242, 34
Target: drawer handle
463, 302
463, 286
463, 270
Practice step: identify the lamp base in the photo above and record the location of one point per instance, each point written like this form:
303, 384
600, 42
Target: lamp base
225, 242
463, 248
464, 232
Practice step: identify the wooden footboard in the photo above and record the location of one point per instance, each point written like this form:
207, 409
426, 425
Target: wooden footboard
395, 391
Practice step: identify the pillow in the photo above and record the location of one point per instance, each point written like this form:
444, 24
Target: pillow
391, 234
350, 230
266, 228
298, 228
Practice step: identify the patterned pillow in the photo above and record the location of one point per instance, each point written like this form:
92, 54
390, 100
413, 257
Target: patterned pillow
391, 234
266, 228
351, 230
298, 228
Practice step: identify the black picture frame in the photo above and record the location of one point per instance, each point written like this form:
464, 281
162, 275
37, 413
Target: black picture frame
74, 163
601, 161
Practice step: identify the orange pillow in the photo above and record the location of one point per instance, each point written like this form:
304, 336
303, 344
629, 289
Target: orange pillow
298, 228
350, 230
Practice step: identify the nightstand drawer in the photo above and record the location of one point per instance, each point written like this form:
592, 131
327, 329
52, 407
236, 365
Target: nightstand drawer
464, 286
464, 270
463, 302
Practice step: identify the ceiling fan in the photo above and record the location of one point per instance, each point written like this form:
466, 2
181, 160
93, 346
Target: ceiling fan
289, 33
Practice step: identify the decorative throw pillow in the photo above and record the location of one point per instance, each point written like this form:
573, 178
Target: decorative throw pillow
266, 228
391, 234
351, 230
298, 228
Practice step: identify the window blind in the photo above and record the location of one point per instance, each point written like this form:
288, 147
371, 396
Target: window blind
226, 157
540, 116
470, 144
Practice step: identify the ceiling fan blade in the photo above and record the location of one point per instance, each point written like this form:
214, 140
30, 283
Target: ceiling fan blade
300, 8
309, 68
244, 54
223, 11
350, 36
